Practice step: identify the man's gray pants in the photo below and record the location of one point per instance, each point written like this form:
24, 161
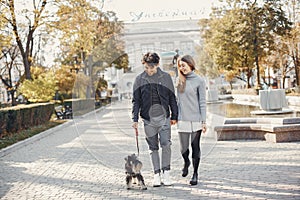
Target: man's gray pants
158, 131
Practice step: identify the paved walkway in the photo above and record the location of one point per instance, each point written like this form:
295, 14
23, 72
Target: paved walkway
84, 159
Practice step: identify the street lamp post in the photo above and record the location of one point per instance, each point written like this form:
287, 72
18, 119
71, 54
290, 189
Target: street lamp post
174, 62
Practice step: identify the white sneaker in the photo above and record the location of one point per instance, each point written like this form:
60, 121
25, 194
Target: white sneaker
156, 180
166, 178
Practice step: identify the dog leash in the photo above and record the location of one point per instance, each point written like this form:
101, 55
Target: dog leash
137, 140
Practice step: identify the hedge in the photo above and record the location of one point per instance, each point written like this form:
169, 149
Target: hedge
21, 117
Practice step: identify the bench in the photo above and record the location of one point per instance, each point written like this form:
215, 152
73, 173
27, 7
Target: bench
104, 100
63, 112
269, 129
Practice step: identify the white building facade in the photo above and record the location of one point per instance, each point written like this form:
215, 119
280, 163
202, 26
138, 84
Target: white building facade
160, 37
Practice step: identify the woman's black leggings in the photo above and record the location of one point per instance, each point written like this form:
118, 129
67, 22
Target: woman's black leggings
184, 139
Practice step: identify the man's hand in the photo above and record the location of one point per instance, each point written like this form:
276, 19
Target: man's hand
173, 122
204, 128
135, 125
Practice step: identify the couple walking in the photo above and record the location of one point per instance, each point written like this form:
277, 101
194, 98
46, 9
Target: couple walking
155, 102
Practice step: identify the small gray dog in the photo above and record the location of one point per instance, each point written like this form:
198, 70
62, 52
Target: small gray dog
133, 171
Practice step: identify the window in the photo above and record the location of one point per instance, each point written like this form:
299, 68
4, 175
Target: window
167, 46
147, 47
187, 47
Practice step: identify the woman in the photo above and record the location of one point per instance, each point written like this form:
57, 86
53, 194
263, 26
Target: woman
191, 90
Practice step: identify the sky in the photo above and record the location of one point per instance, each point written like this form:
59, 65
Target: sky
159, 10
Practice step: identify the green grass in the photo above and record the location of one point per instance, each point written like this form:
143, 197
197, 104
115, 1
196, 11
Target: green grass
10, 139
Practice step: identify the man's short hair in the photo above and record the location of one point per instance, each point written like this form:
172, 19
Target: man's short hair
151, 59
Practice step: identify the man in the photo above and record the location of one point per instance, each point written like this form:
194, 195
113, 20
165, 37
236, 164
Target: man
154, 100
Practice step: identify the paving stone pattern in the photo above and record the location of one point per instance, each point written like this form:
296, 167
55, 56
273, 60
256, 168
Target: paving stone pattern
84, 159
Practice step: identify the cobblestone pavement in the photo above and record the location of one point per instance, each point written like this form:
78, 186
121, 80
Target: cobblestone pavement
84, 159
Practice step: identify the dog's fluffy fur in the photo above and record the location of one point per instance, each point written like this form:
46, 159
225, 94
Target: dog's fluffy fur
133, 171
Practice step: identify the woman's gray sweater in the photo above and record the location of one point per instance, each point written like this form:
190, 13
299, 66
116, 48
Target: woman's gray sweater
192, 102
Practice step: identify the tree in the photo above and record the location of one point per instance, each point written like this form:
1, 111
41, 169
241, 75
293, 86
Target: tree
24, 41
222, 40
5, 39
294, 50
65, 77
243, 33
205, 63
85, 30
42, 86
273, 23
9, 57
279, 60
293, 37
91, 37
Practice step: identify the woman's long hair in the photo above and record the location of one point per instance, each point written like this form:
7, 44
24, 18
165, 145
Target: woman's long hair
182, 79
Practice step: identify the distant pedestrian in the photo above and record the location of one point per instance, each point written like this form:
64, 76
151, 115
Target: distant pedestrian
176, 56
155, 101
191, 90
